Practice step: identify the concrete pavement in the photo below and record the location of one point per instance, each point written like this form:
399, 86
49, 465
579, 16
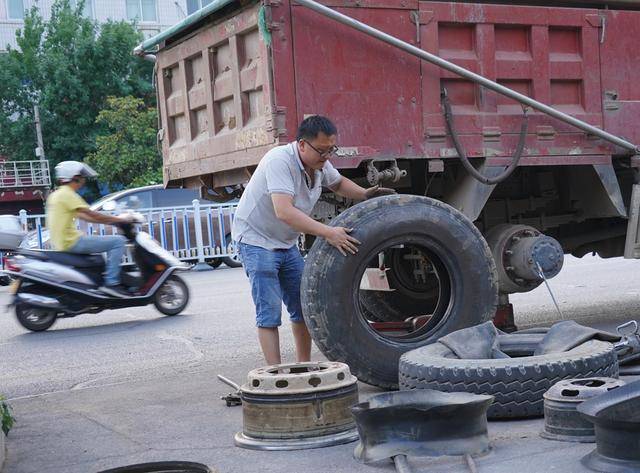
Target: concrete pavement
99, 392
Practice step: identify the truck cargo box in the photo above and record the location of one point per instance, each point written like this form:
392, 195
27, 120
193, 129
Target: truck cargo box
239, 80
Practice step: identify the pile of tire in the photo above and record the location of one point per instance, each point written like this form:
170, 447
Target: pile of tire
517, 383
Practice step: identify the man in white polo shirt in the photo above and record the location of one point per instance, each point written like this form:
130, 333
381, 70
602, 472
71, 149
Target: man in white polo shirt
273, 211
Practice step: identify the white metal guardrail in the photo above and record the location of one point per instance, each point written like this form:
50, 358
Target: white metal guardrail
24, 174
195, 233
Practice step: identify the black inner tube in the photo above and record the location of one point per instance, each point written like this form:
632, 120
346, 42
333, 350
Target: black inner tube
162, 467
515, 160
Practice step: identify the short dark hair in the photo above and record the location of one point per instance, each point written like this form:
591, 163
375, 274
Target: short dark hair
313, 125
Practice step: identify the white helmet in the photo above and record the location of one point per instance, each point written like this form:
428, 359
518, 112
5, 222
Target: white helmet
67, 170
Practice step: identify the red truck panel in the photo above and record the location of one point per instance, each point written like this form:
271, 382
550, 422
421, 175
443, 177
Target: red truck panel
215, 99
620, 63
228, 91
549, 54
383, 98
370, 89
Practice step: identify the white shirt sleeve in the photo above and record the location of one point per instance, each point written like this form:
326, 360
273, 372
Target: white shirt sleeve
279, 178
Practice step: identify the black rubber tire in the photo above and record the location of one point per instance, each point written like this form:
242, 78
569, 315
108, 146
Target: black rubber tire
518, 344
22, 314
381, 306
215, 263
401, 303
330, 284
232, 263
174, 278
161, 467
6, 280
516, 383
370, 315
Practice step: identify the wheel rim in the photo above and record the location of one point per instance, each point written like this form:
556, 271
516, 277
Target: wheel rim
171, 295
415, 328
231, 250
37, 316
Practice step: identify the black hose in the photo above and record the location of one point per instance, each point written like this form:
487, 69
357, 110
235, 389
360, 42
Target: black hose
448, 117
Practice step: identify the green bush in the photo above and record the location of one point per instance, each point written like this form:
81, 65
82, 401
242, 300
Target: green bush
6, 418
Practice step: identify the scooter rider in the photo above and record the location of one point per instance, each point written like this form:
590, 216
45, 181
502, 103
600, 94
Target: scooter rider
65, 205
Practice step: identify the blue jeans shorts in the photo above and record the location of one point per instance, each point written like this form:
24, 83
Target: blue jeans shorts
275, 277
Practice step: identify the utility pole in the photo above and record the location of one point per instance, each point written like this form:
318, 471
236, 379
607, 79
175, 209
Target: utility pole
40, 148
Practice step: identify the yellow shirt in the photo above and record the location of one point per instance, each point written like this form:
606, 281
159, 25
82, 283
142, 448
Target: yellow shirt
62, 208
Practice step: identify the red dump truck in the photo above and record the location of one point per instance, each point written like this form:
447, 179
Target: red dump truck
508, 131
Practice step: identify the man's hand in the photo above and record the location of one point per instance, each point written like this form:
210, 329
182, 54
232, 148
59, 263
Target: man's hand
377, 191
340, 238
125, 218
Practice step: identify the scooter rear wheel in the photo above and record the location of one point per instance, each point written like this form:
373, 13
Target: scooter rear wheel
173, 296
35, 319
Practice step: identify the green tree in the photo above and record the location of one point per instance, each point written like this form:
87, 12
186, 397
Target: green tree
69, 66
126, 152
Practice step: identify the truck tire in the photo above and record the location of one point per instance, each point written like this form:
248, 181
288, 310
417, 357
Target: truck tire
516, 383
231, 261
408, 298
215, 263
331, 282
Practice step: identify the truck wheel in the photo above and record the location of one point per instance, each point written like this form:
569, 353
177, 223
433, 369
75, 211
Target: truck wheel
232, 261
215, 263
456, 252
516, 383
414, 287
35, 318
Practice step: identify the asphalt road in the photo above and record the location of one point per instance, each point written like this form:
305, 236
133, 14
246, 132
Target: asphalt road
131, 386
132, 344
217, 332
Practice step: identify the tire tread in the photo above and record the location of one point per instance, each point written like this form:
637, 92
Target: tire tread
518, 387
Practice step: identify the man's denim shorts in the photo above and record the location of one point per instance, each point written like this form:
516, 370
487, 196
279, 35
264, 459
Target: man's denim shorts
275, 277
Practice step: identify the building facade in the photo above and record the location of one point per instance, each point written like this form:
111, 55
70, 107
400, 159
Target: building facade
152, 16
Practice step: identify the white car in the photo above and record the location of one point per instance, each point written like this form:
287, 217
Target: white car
152, 197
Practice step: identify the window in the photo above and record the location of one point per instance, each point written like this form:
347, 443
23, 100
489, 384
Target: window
136, 200
15, 9
142, 10
88, 7
195, 5
174, 197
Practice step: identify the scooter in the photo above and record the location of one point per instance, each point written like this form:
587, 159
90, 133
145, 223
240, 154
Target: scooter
50, 285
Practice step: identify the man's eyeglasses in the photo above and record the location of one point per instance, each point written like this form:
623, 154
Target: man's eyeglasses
323, 154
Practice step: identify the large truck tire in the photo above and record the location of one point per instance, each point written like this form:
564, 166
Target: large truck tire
408, 298
517, 384
468, 286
